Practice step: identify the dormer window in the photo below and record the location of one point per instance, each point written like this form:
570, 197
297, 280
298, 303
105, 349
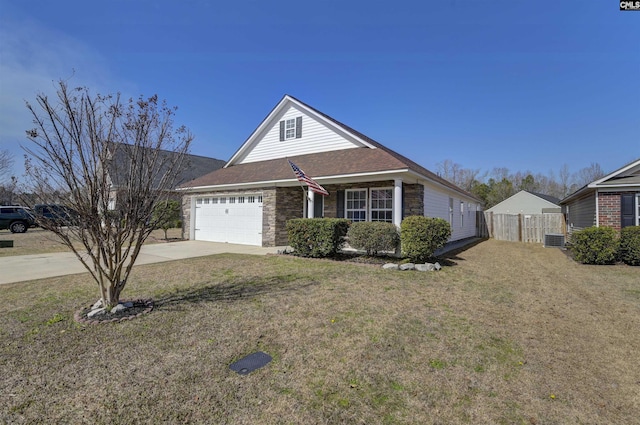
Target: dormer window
291, 128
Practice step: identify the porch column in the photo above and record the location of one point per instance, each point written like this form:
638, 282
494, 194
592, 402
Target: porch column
397, 201
310, 199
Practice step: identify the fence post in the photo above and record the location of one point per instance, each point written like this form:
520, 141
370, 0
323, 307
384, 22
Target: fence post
520, 228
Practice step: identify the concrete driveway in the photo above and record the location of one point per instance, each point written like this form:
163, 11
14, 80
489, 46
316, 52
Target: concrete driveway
29, 267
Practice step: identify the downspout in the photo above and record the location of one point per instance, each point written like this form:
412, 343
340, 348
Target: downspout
597, 209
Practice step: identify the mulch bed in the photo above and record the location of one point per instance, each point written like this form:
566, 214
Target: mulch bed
140, 307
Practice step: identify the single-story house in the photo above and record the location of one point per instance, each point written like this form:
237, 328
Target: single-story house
525, 202
250, 199
611, 201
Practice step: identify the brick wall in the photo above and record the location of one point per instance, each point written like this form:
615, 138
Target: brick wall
609, 210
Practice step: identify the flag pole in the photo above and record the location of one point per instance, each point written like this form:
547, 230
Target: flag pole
304, 192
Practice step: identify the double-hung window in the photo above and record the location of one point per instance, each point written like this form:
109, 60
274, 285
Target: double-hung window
290, 129
374, 204
356, 204
382, 205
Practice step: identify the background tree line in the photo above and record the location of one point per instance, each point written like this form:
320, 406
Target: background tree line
498, 184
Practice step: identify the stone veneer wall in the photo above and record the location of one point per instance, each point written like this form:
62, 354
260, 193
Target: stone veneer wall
609, 210
413, 200
288, 205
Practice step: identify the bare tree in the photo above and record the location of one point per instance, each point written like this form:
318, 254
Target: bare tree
80, 145
589, 174
565, 180
464, 178
6, 162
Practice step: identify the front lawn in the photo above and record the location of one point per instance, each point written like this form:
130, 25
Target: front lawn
510, 334
39, 241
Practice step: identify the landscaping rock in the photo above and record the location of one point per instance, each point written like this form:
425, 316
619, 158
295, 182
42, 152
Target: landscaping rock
407, 266
422, 267
118, 308
437, 266
96, 312
390, 266
97, 305
430, 267
128, 304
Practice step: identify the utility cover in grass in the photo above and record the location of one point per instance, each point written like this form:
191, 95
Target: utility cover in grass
250, 363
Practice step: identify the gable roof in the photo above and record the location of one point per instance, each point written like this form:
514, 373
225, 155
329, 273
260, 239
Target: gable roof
547, 198
527, 202
368, 157
625, 177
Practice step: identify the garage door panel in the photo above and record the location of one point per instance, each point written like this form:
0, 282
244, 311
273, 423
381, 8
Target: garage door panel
229, 222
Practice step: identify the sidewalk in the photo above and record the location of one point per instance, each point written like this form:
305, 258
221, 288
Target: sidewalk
29, 267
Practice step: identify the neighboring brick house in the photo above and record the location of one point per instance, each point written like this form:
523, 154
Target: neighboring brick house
612, 201
250, 199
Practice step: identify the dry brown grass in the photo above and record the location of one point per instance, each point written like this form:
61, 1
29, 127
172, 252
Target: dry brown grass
488, 340
40, 241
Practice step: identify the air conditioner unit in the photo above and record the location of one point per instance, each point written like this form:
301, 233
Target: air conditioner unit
554, 240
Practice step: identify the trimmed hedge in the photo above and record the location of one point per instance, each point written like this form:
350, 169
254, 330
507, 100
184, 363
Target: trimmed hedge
422, 236
595, 245
373, 236
630, 245
317, 237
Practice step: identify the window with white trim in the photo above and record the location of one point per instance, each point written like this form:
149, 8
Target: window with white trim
259, 199
461, 213
382, 205
252, 199
214, 200
241, 199
356, 204
232, 200
206, 200
290, 129
223, 200
198, 201
638, 209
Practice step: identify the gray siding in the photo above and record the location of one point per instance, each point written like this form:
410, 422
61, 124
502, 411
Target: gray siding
582, 212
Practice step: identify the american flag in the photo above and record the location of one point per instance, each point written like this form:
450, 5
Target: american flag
313, 185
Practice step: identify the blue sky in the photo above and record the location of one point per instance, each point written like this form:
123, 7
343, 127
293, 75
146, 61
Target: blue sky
486, 83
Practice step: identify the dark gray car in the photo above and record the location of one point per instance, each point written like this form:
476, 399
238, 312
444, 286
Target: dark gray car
16, 218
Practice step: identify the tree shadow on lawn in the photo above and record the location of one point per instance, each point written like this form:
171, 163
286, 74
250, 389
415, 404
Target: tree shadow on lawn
234, 290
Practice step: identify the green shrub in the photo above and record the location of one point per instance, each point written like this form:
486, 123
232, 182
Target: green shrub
422, 236
166, 215
317, 237
373, 236
630, 245
595, 245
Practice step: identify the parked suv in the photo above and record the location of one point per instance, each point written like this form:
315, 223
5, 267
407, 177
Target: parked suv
16, 218
58, 214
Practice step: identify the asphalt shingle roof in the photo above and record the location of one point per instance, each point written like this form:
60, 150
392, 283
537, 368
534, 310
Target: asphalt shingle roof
323, 164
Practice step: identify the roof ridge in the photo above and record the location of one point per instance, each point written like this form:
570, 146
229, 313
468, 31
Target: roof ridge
410, 163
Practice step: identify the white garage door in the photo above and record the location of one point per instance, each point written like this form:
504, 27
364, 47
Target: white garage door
232, 219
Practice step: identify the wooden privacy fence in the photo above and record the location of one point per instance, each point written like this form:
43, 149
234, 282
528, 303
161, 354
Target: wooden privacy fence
524, 227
